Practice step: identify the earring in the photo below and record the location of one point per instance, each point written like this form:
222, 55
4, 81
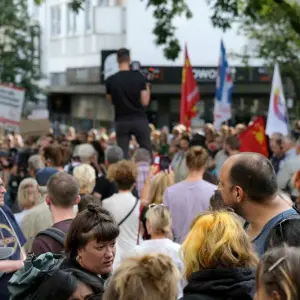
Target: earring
78, 259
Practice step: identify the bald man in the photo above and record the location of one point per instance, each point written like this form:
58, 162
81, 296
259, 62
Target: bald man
248, 185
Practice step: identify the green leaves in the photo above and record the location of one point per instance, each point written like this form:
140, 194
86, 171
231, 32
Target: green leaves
19, 47
77, 5
165, 11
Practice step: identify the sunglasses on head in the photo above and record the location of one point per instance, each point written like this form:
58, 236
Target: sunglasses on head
152, 205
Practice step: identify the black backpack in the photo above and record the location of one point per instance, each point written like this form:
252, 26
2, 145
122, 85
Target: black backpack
55, 234
290, 217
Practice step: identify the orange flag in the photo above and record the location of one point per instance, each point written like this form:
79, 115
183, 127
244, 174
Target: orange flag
189, 93
254, 139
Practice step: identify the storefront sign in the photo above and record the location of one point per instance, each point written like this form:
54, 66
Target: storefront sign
173, 75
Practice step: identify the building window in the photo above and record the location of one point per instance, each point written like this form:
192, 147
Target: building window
109, 2
71, 20
55, 20
88, 15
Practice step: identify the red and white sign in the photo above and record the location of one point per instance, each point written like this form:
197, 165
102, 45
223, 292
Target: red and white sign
11, 105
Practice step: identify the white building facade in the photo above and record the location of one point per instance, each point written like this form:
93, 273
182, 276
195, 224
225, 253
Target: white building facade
71, 46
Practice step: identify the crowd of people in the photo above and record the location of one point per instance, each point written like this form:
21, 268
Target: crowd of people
194, 219
147, 214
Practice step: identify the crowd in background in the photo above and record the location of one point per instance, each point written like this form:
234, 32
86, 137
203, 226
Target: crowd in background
193, 219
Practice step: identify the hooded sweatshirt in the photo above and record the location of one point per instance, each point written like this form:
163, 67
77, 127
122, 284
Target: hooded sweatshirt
221, 284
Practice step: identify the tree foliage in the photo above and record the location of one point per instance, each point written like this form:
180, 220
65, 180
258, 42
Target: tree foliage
273, 30
19, 64
227, 12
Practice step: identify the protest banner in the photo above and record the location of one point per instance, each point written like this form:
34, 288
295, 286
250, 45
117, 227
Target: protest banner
11, 105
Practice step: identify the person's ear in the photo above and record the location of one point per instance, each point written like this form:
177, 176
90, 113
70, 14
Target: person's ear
239, 193
78, 198
48, 200
80, 255
80, 251
148, 227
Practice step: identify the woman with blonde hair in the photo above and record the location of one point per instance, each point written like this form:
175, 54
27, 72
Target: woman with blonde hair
210, 133
86, 178
153, 192
278, 275
159, 227
219, 259
28, 197
159, 185
156, 185
149, 277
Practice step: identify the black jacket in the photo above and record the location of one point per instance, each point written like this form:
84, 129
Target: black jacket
221, 284
70, 263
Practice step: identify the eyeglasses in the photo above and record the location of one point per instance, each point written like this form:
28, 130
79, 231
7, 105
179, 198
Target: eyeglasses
152, 205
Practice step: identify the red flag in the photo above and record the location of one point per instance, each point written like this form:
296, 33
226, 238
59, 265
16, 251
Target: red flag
254, 139
189, 93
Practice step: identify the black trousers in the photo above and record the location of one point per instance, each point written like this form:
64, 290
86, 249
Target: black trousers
137, 127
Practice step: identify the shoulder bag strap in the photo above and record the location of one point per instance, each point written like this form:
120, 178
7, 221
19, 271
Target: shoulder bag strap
55, 234
131, 211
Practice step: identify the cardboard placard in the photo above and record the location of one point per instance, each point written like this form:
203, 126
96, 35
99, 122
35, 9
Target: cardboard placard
34, 127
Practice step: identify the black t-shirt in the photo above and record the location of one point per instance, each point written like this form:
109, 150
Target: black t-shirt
125, 89
106, 188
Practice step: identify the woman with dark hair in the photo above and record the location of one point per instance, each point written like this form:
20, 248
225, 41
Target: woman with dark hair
90, 244
277, 276
53, 157
70, 284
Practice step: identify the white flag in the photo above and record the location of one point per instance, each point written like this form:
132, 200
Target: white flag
277, 116
224, 86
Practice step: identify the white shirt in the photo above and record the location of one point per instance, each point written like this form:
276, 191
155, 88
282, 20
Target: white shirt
120, 205
164, 246
20, 216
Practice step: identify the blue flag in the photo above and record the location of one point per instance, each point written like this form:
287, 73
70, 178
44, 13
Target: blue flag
224, 85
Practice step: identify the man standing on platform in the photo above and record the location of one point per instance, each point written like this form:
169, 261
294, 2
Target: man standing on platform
129, 92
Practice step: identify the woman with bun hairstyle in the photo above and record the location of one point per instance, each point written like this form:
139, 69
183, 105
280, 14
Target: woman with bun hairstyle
219, 259
90, 244
190, 197
149, 277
